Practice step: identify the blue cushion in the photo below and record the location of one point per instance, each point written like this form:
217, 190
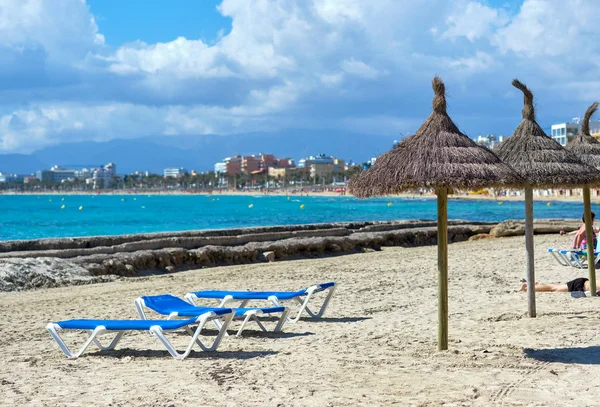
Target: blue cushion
250, 295
165, 304
259, 295
324, 286
125, 324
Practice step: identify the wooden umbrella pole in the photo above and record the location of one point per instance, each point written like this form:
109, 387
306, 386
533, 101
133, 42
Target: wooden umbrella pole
589, 235
442, 244
529, 249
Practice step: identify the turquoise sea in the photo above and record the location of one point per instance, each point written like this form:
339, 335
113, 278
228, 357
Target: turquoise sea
41, 216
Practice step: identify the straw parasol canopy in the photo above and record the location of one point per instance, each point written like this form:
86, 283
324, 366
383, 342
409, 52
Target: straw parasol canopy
438, 155
539, 159
584, 145
542, 162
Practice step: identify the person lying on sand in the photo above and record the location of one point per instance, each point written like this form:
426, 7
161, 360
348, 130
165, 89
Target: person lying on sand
579, 284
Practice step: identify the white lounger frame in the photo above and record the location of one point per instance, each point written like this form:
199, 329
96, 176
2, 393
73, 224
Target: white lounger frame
191, 297
155, 330
570, 258
248, 316
561, 258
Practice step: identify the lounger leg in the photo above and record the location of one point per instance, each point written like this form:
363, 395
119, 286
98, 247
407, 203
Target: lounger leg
249, 315
54, 328
218, 324
159, 333
558, 257
282, 320
139, 306
565, 259
222, 331
112, 345
224, 301
260, 324
577, 261
304, 304
253, 315
324, 306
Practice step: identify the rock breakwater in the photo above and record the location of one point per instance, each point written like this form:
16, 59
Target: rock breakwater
134, 255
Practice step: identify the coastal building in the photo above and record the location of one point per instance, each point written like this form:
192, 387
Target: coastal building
60, 174
103, 176
283, 172
230, 165
322, 165
220, 168
489, 140
10, 178
98, 177
251, 164
44, 176
268, 161
140, 174
563, 133
595, 129
285, 163
174, 172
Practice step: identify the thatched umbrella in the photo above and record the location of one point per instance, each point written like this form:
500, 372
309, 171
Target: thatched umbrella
437, 156
587, 149
542, 162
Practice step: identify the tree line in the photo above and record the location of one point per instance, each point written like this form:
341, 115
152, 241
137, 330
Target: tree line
206, 181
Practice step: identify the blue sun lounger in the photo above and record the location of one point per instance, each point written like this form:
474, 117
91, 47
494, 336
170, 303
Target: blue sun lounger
157, 328
175, 307
573, 257
302, 296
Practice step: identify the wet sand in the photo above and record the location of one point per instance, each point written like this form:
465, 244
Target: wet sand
375, 347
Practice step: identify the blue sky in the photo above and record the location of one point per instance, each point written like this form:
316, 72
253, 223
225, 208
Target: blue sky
158, 21
73, 70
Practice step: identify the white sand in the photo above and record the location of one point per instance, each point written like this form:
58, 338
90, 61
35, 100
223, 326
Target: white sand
376, 346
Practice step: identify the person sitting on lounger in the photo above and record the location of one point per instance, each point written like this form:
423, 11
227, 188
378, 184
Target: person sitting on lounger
580, 241
579, 284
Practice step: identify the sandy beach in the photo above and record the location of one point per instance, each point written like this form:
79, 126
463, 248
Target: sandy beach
375, 347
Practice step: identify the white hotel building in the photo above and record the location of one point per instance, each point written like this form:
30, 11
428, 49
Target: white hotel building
565, 132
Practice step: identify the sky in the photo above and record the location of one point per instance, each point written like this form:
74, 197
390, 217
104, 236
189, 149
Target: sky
76, 70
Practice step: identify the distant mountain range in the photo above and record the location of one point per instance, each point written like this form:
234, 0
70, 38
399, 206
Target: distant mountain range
196, 152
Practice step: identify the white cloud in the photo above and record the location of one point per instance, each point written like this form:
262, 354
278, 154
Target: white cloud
359, 68
332, 79
179, 58
473, 21
548, 28
296, 63
481, 61
65, 30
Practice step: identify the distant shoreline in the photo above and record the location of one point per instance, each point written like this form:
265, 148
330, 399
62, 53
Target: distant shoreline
575, 198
